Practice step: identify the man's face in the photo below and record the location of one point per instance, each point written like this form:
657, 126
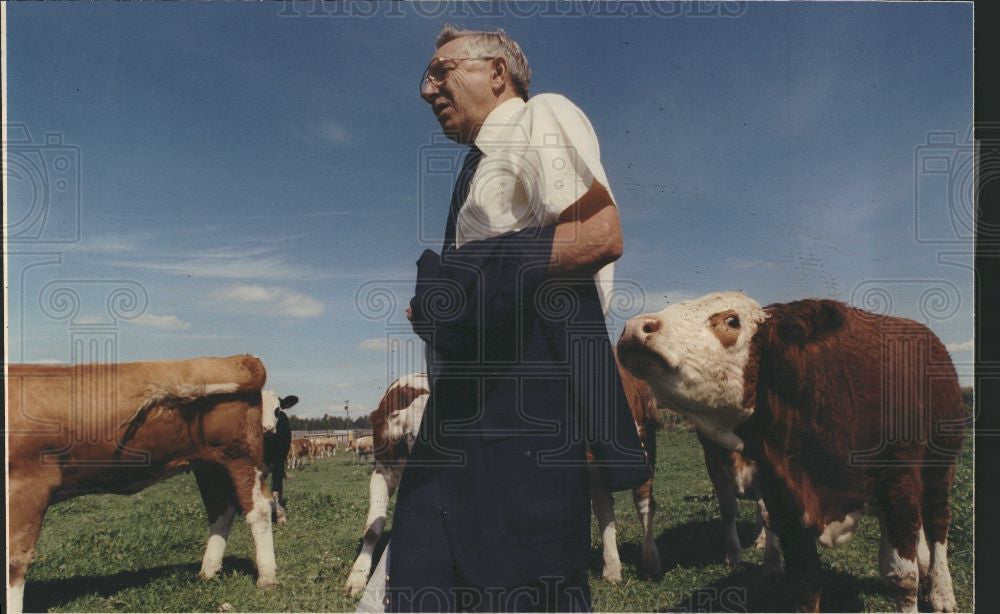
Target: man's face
465, 97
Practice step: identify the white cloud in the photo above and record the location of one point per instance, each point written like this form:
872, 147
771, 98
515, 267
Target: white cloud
271, 300
237, 262
238, 268
158, 321
961, 346
378, 344
107, 244
743, 265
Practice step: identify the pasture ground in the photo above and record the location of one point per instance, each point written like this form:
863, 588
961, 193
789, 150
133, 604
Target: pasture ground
142, 553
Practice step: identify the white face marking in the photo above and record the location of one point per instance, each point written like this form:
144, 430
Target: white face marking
690, 366
414, 380
403, 424
269, 402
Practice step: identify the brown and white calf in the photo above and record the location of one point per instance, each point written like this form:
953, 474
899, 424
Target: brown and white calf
364, 446
396, 421
844, 412
302, 450
117, 428
326, 446
394, 425
734, 477
647, 421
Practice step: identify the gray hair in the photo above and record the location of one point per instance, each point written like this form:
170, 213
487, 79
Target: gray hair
493, 43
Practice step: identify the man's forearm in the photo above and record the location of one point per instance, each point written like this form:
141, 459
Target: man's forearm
588, 235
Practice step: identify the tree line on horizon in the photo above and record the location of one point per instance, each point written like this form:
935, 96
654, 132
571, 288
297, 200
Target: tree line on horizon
328, 423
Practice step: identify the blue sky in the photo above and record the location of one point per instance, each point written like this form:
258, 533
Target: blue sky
253, 175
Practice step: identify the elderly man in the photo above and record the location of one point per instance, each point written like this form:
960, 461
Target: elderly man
493, 508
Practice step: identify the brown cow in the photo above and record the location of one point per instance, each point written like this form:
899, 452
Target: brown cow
326, 446
117, 428
302, 449
364, 446
394, 423
844, 412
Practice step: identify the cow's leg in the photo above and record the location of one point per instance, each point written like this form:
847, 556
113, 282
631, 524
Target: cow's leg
937, 519
29, 500
801, 587
254, 498
217, 494
645, 507
761, 541
725, 491
380, 489
772, 549
604, 510
899, 494
279, 515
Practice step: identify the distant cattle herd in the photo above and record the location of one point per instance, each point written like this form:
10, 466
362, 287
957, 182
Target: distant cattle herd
817, 411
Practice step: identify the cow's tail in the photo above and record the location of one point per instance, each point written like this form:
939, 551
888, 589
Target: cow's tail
162, 396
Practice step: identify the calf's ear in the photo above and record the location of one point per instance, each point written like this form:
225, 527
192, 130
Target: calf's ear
804, 321
289, 401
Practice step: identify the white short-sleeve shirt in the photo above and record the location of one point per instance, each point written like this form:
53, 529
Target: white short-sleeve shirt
539, 158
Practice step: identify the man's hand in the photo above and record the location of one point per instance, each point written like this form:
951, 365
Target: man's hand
588, 234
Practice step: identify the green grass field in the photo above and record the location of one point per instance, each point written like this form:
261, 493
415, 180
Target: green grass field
142, 553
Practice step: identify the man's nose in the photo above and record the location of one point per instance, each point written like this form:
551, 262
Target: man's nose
429, 91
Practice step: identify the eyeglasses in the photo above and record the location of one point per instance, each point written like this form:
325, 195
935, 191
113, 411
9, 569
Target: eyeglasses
437, 71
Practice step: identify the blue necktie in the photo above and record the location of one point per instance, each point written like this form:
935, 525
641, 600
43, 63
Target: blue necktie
460, 193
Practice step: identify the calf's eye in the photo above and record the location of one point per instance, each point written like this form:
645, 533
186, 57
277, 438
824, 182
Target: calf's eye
733, 322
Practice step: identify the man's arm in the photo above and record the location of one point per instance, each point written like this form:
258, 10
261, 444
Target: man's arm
588, 234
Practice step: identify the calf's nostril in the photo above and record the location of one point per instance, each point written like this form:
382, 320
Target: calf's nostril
650, 326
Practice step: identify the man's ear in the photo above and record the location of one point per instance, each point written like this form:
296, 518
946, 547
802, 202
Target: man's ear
500, 77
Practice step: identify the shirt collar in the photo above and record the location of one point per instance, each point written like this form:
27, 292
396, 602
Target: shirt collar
495, 132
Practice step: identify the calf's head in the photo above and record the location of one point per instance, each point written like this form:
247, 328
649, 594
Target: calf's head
694, 355
270, 404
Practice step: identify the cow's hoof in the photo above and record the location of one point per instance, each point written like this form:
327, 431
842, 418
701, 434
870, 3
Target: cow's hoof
943, 603
651, 564
733, 559
355, 584
209, 572
267, 584
612, 573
